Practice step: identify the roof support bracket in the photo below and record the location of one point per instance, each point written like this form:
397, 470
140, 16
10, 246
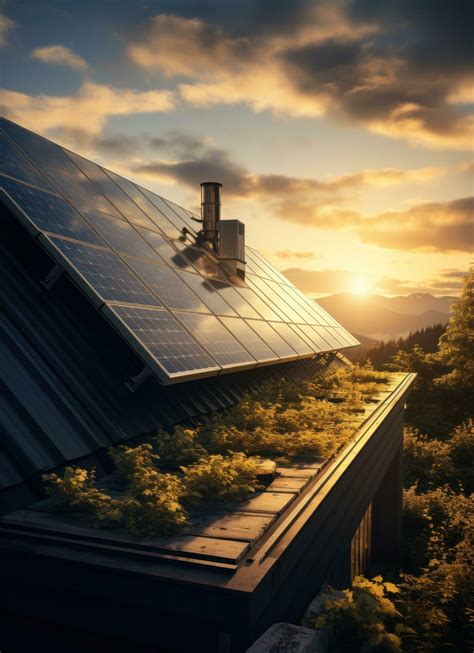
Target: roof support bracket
51, 278
134, 382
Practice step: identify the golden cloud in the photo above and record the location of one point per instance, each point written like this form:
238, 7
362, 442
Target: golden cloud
6, 24
87, 110
333, 61
60, 56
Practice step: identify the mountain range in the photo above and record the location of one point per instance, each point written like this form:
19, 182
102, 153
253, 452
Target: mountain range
385, 318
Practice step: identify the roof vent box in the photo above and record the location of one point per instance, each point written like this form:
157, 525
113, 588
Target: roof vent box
232, 247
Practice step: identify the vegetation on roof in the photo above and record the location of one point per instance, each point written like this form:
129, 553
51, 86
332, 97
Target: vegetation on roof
220, 459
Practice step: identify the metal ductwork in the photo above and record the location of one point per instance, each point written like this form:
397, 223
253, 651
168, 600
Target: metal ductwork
211, 212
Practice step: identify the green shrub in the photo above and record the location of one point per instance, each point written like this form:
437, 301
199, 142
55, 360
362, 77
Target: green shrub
363, 619
180, 447
426, 461
75, 492
222, 478
461, 447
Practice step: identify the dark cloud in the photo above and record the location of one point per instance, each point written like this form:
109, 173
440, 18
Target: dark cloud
399, 67
403, 76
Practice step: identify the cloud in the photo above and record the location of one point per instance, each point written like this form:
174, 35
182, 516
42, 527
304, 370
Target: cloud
401, 69
289, 254
6, 24
59, 55
192, 159
453, 273
434, 226
321, 203
90, 107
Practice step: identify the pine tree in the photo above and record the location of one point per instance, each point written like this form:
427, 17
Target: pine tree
456, 346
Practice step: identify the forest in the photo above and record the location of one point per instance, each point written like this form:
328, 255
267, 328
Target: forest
429, 604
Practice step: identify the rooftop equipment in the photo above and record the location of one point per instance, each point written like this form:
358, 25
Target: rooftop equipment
211, 212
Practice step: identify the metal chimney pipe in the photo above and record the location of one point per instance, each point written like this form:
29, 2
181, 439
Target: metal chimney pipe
211, 211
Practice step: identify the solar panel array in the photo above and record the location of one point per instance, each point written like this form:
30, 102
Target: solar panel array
123, 245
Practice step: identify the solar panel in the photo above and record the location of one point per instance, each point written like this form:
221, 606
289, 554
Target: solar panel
168, 286
268, 334
256, 302
202, 261
43, 211
249, 339
167, 295
263, 285
292, 338
234, 299
165, 339
137, 196
217, 340
120, 235
15, 164
182, 216
58, 169
105, 273
109, 188
165, 249
208, 293
176, 221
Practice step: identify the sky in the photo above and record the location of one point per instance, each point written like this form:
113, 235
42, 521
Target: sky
342, 131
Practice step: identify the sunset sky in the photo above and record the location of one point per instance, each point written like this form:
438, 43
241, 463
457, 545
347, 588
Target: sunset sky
342, 131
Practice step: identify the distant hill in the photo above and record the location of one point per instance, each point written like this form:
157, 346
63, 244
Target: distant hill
386, 318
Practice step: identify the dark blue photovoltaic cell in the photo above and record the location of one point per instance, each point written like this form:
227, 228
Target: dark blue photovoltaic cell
208, 293
176, 222
165, 249
15, 164
49, 212
110, 189
120, 235
215, 339
173, 292
133, 191
166, 339
272, 338
234, 299
106, 273
183, 215
249, 339
58, 169
296, 341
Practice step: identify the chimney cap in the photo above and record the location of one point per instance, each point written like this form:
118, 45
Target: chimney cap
205, 183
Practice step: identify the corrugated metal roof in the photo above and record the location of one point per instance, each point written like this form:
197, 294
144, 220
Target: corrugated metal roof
63, 373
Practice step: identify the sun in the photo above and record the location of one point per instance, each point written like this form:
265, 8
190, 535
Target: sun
360, 286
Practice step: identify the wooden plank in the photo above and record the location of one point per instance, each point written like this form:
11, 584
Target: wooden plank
239, 526
184, 545
297, 472
269, 502
288, 484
